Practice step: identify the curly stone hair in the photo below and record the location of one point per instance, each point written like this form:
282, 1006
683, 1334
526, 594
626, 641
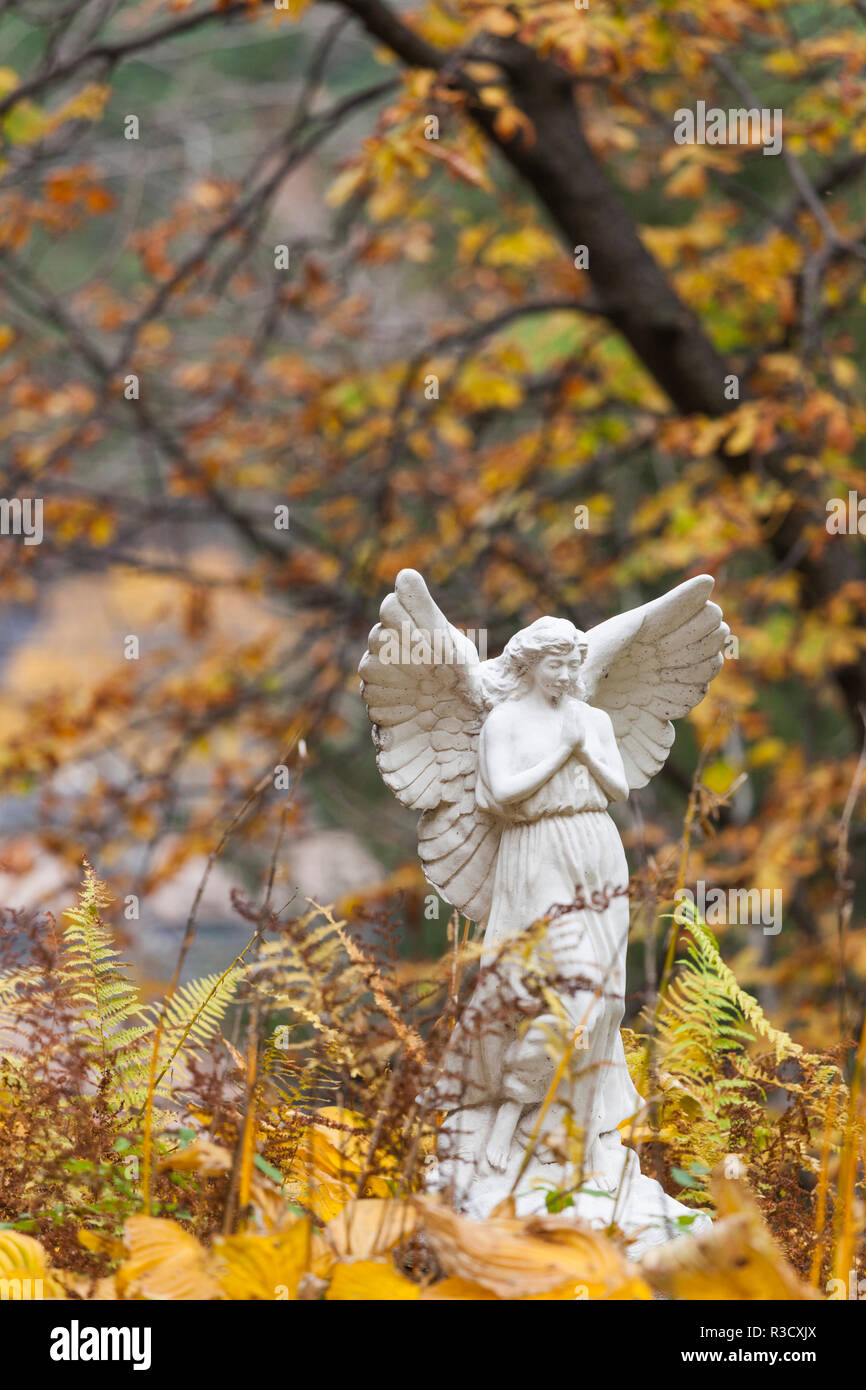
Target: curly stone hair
510, 675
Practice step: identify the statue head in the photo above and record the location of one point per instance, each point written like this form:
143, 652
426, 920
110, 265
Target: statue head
548, 655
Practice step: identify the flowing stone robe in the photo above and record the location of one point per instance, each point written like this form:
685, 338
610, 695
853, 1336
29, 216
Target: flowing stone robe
557, 847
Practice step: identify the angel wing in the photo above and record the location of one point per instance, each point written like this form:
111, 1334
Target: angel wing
651, 665
421, 685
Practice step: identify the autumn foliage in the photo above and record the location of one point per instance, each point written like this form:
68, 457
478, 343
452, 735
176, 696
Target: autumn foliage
146, 1156
291, 299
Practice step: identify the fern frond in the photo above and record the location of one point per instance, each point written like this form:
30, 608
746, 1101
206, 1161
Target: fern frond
707, 949
192, 1019
91, 975
196, 1010
12, 982
113, 1025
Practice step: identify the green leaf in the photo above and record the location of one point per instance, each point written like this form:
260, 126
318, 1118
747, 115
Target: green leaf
558, 1201
268, 1169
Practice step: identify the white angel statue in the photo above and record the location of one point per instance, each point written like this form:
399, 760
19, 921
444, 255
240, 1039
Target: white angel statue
513, 763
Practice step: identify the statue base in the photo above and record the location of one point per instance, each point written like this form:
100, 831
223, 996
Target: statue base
615, 1194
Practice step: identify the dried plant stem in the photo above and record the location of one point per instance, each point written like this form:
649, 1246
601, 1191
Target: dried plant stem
845, 1224
189, 935
844, 886
369, 1156
248, 1146
240, 1176
411, 1039
823, 1187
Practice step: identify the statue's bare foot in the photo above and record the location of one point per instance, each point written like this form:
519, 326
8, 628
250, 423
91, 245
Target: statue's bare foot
497, 1156
499, 1144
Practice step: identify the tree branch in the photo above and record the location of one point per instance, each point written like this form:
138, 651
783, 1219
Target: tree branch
111, 53
632, 289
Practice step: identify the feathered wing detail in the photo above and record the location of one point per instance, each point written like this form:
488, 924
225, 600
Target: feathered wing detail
420, 682
651, 665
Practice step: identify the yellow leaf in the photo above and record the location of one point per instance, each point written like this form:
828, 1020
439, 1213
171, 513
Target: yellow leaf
736, 1260
454, 1289
201, 1156
327, 1165
24, 1271
370, 1281
163, 1261
86, 105
787, 64
497, 21
766, 750
526, 247
25, 123
483, 74
783, 364
719, 776
100, 1243
509, 120
345, 184
102, 530
844, 372
539, 1256
369, 1226
688, 182
263, 1267
387, 201
743, 434
461, 165
485, 387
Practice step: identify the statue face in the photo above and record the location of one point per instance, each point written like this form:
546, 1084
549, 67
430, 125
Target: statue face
554, 675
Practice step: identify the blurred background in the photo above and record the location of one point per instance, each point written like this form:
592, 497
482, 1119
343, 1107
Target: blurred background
286, 308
